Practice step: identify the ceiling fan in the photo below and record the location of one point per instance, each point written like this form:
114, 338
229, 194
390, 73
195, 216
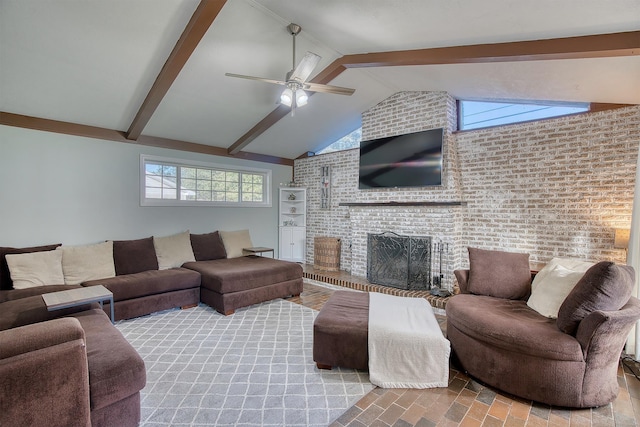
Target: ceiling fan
295, 93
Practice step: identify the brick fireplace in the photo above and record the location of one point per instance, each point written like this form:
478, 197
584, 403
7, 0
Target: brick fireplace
550, 188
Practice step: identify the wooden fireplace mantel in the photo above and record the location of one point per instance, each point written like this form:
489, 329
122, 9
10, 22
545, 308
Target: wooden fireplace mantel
429, 204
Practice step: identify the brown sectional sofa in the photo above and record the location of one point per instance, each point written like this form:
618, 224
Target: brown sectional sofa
79, 357
570, 361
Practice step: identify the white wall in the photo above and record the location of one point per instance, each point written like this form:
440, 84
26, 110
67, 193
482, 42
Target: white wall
58, 188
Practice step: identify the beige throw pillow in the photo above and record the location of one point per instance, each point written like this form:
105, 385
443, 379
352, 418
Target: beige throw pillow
35, 269
90, 262
572, 264
173, 251
235, 241
552, 290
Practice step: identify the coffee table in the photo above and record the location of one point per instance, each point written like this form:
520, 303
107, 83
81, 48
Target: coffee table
80, 296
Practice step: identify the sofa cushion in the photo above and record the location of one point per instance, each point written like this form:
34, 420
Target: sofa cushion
116, 370
173, 251
5, 277
499, 274
150, 282
512, 326
32, 309
35, 269
88, 262
244, 273
605, 286
235, 241
208, 246
547, 297
134, 256
14, 294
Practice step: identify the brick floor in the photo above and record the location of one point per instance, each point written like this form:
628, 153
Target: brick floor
466, 402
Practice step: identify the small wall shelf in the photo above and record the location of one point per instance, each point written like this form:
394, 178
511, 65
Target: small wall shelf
429, 204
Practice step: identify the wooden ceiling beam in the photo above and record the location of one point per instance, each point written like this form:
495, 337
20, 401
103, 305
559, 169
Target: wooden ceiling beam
200, 21
66, 128
594, 46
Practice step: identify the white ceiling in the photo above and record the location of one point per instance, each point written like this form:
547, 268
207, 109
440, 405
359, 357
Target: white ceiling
93, 61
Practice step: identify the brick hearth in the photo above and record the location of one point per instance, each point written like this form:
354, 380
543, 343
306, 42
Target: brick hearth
346, 280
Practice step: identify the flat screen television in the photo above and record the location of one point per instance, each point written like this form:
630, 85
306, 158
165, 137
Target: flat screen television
409, 160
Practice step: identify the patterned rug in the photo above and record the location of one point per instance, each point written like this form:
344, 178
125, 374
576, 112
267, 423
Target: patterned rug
253, 368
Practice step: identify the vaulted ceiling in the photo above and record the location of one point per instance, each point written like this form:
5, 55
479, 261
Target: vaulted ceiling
153, 71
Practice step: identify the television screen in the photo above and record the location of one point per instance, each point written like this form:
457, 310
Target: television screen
410, 160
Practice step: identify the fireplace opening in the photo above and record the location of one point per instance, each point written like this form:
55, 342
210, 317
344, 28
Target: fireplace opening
402, 262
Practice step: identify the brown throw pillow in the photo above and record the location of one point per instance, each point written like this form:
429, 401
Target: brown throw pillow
5, 277
605, 286
134, 256
207, 246
499, 274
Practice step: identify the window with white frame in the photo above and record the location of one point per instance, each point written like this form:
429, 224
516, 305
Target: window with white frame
172, 182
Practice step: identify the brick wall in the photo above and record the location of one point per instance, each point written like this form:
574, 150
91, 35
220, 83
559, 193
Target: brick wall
550, 188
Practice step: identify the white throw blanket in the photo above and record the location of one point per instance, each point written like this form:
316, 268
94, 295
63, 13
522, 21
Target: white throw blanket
406, 346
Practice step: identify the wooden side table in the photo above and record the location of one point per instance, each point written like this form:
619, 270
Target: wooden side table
80, 296
258, 250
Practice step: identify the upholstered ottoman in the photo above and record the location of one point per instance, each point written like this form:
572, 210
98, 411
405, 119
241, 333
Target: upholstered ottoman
340, 331
231, 283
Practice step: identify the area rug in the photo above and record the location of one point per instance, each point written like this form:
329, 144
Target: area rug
253, 368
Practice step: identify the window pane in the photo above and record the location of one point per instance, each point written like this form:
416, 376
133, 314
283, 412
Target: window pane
231, 187
219, 175
232, 176
188, 172
204, 174
481, 114
204, 195
188, 184
204, 185
169, 193
153, 169
231, 197
347, 142
169, 182
187, 195
169, 170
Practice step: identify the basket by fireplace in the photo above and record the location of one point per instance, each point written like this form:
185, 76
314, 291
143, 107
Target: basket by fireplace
326, 253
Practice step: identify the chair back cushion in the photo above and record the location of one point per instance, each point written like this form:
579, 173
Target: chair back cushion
605, 286
499, 274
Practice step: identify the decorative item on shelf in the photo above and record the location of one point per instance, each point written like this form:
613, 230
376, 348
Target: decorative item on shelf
292, 209
325, 187
292, 196
289, 223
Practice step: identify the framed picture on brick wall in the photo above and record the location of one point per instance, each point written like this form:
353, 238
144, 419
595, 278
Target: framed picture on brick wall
325, 187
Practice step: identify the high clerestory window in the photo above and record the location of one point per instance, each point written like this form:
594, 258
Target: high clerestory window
347, 142
171, 182
482, 114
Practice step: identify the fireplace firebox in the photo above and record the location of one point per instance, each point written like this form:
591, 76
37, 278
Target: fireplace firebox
402, 262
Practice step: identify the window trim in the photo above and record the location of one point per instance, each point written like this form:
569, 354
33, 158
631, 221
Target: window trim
144, 201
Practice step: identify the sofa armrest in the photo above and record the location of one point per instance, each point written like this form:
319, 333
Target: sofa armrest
44, 376
462, 276
605, 332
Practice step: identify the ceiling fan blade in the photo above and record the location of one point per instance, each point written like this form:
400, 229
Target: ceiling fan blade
260, 79
337, 90
305, 67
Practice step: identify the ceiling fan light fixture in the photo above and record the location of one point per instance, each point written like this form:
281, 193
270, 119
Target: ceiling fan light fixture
301, 98
287, 97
